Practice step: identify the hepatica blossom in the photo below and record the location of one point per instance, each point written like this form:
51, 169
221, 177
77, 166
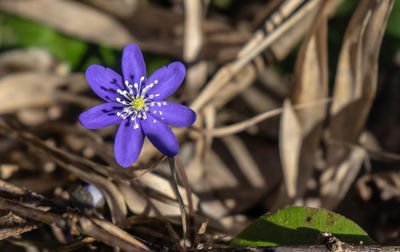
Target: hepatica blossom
138, 104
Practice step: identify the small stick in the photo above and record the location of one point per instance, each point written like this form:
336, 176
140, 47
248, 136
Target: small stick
174, 183
243, 125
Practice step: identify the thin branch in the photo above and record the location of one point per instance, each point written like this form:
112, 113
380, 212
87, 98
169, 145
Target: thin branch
243, 125
78, 223
225, 74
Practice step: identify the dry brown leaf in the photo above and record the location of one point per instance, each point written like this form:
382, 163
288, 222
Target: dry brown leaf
27, 90
191, 156
163, 186
245, 161
225, 74
11, 224
135, 202
72, 18
78, 166
357, 73
311, 73
116, 233
119, 8
214, 169
32, 59
335, 189
196, 77
304, 127
290, 139
259, 101
283, 45
236, 86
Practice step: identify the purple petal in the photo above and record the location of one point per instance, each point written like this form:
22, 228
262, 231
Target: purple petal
174, 114
133, 66
169, 78
128, 143
104, 82
161, 136
101, 116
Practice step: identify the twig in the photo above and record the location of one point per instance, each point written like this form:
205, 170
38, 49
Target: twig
225, 74
12, 225
192, 36
243, 125
77, 223
374, 154
75, 245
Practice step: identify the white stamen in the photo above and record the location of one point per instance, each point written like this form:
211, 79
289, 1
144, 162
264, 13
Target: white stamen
147, 88
137, 109
136, 87
124, 93
136, 125
121, 101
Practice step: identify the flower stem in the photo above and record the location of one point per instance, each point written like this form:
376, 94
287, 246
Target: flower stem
190, 222
174, 183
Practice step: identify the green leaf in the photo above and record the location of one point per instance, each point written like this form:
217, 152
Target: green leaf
19, 32
394, 21
223, 4
300, 226
154, 62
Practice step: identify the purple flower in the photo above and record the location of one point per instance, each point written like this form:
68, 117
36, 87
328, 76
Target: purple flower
138, 105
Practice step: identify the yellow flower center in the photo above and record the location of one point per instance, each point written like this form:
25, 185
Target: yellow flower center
138, 103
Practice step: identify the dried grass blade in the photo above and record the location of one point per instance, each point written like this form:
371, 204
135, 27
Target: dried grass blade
226, 73
356, 77
245, 161
113, 196
334, 190
311, 84
112, 235
243, 125
290, 139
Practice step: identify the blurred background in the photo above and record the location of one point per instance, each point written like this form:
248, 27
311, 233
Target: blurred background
298, 104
